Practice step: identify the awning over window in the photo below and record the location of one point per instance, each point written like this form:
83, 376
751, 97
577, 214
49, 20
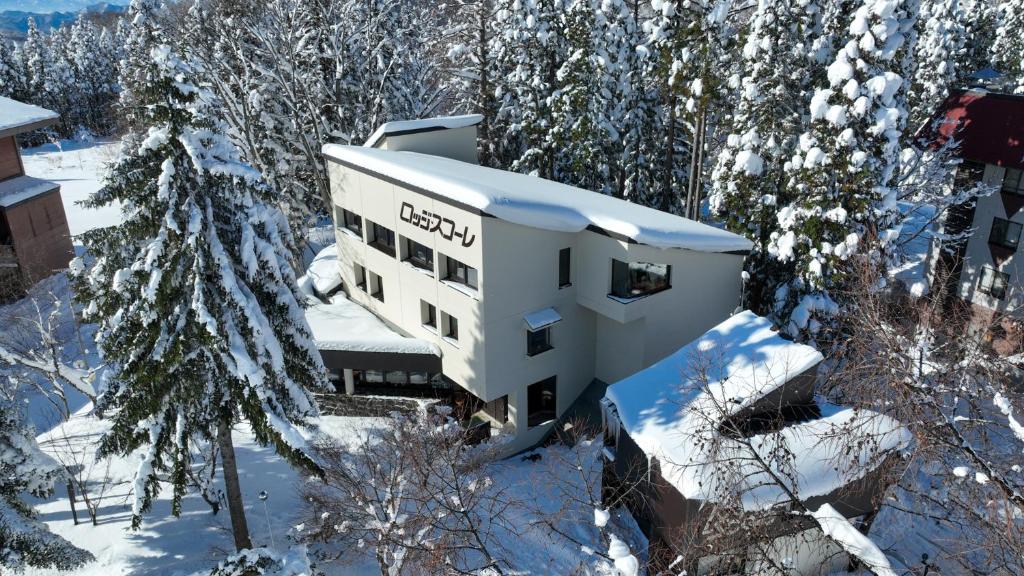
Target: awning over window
542, 318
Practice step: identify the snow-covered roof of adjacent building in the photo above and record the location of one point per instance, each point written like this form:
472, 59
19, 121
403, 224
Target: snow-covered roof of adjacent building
673, 409
17, 117
399, 127
536, 202
17, 190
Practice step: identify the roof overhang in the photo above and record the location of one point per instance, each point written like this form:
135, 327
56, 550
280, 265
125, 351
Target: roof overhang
19, 117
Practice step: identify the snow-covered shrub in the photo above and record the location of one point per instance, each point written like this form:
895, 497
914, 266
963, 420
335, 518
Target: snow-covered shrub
265, 562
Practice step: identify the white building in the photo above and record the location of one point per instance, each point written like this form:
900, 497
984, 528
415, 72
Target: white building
530, 289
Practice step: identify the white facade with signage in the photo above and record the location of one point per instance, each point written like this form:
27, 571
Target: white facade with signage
530, 289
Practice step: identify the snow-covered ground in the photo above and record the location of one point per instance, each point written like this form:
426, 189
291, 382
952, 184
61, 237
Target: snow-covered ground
78, 167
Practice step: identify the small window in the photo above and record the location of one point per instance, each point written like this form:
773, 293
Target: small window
360, 277
381, 238
451, 326
349, 220
635, 279
564, 278
538, 341
417, 254
993, 282
1013, 181
541, 402
458, 272
376, 286
428, 314
1005, 233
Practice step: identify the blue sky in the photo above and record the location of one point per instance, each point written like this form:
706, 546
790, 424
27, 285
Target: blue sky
46, 6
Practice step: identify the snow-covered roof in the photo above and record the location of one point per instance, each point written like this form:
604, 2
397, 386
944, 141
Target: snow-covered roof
399, 127
346, 326
673, 408
536, 202
542, 318
17, 117
21, 188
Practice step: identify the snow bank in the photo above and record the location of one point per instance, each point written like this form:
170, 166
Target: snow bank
536, 202
324, 272
422, 125
673, 409
14, 114
344, 325
22, 188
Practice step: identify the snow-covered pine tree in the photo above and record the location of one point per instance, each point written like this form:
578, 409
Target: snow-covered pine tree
93, 59
137, 37
840, 177
748, 181
980, 30
473, 79
24, 468
35, 55
8, 70
1008, 45
939, 50
198, 311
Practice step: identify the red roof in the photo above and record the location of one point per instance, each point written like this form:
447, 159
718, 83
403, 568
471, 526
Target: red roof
988, 125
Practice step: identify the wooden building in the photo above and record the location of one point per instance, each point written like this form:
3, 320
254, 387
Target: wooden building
35, 241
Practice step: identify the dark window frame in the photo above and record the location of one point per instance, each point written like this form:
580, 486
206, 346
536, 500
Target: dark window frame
1013, 181
565, 267
373, 237
451, 273
431, 315
542, 392
411, 258
352, 222
992, 288
1000, 234
538, 341
451, 327
624, 282
378, 291
360, 272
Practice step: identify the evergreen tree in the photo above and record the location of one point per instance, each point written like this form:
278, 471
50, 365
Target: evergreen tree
748, 182
841, 176
8, 70
1008, 45
35, 55
939, 51
474, 77
24, 468
198, 312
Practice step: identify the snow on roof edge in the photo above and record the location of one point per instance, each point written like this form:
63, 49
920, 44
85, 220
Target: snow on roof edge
536, 202
15, 114
424, 124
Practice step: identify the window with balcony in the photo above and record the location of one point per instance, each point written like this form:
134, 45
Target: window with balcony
349, 221
1005, 233
538, 341
541, 402
993, 282
1013, 181
636, 279
380, 237
564, 277
456, 271
417, 254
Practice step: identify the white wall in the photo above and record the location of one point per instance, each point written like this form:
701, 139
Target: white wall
456, 143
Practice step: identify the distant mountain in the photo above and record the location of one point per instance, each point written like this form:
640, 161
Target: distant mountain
14, 23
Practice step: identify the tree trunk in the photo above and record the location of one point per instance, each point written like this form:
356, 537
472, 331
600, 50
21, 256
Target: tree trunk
239, 527
670, 141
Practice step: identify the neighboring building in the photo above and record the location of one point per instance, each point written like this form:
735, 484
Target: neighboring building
983, 271
673, 450
530, 289
34, 238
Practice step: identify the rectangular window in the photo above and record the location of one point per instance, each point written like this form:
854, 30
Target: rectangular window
380, 237
1013, 181
1005, 233
376, 287
564, 278
993, 282
538, 341
360, 277
541, 402
451, 326
417, 254
428, 314
635, 279
349, 220
458, 272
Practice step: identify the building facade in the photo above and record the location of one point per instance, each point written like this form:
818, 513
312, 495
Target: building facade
530, 289
35, 241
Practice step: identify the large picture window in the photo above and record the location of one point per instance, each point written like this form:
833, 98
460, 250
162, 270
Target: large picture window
381, 238
1013, 181
635, 279
458, 272
417, 254
1005, 233
541, 402
993, 282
